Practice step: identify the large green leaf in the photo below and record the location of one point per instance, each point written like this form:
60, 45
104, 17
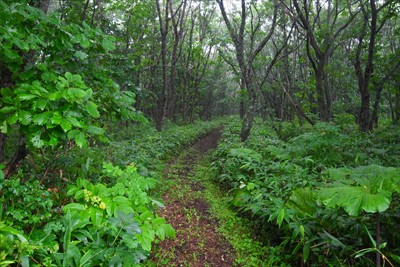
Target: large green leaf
95, 130
25, 117
373, 176
91, 108
76, 92
42, 118
354, 199
83, 41
108, 43
65, 125
36, 140
303, 199
365, 188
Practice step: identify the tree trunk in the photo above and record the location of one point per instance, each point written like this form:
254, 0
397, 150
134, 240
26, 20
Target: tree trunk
375, 112
2, 147
163, 101
364, 114
364, 79
242, 104
19, 155
250, 111
247, 122
397, 106
319, 84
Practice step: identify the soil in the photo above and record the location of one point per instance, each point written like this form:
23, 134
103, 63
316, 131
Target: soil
198, 242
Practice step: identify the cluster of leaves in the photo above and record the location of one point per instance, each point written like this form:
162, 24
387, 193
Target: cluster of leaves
113, 224
41, 91
312, 209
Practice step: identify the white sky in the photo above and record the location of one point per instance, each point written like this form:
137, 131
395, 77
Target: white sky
231, 4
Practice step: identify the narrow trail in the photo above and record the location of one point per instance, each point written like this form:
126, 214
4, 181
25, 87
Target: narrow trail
198, 242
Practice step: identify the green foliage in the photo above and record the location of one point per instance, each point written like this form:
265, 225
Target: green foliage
119, 219
108, 217
41, 94
302, 202
26, 204
366, 188
114, 224
50, 113
323, 143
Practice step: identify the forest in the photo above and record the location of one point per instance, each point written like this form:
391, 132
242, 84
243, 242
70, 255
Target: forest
199, 133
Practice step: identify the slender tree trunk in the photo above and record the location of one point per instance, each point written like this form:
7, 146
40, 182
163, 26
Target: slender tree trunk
247, 122
163, 101
378, 239
175, 54
242, 104
375, 112
85, 8
327, 91
319, 86
2, 147
397, 106
298, 109
19, 155
364, 78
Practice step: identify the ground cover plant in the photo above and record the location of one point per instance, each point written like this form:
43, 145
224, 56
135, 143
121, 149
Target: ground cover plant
318, 197
99, 207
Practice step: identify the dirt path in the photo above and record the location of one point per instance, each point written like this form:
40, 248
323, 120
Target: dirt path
198, 242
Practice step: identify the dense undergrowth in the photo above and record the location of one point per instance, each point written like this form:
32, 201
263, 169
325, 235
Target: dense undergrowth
92, 206
320, 196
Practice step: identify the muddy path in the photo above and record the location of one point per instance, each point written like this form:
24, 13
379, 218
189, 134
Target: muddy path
197, 242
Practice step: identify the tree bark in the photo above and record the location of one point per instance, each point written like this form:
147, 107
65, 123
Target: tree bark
2, 147
19, 155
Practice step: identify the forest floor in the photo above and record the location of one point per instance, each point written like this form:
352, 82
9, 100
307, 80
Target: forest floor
198, 240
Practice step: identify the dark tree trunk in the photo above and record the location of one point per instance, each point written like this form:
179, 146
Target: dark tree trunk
397, 106
163, 101
375, 112
177, 27
319, 84
19, 155
250, 112
2, 147
364, 76
242, 104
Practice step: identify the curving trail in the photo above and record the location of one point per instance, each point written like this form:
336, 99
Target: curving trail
198, 242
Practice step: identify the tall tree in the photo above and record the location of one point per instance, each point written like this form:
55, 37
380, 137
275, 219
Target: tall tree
323, 24
166, 16
370, 29
247, 49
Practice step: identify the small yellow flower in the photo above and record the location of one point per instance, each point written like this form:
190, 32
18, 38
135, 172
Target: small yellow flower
87, 194
102, 206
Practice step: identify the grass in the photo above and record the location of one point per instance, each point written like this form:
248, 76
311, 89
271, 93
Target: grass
237, 230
